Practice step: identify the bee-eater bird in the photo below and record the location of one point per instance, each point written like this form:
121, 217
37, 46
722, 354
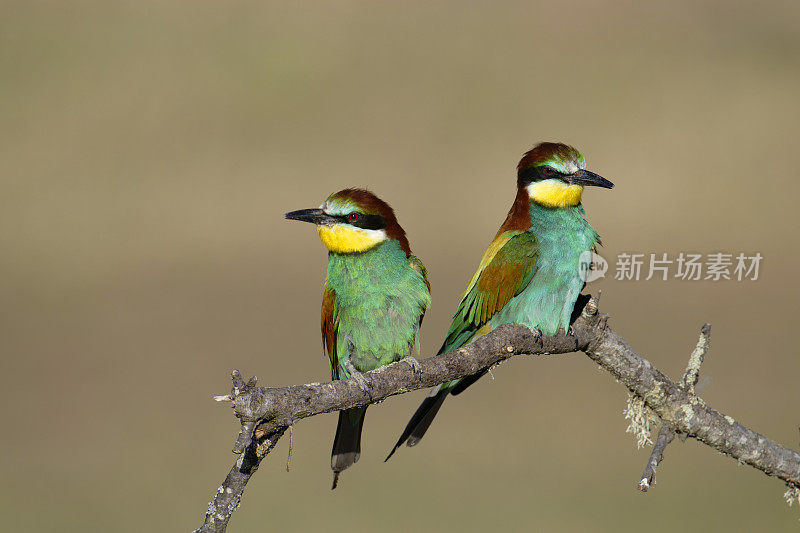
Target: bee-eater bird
530, 274
376, 293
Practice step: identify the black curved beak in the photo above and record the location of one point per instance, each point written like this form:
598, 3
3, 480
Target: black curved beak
315, 216
589, 179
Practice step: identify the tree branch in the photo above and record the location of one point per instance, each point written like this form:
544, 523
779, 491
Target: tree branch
667, 432
272, 410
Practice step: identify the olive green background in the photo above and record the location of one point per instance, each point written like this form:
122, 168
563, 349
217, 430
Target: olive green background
148, 151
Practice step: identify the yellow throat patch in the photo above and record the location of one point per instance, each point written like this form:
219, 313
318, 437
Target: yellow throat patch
555, 193
343, 239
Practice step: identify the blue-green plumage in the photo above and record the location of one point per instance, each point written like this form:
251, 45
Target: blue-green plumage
530, 273
379, 301
375, 296
560, 236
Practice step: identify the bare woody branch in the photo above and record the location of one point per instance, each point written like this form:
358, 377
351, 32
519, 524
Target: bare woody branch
271, 410
667, 431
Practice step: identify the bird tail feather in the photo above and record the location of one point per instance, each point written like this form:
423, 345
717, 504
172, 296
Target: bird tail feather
347, 442
422, 419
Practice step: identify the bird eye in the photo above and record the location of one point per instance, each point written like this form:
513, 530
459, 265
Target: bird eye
352, 217
547, 171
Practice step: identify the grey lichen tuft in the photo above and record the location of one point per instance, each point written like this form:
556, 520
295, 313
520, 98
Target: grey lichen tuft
641, 419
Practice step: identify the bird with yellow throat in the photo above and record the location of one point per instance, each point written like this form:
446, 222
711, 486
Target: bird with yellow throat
376, 293
530, 274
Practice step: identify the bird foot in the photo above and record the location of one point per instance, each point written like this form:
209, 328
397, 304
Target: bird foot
358, 377
416, 368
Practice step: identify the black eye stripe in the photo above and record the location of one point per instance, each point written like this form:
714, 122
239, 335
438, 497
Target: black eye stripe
365, 221
532, 174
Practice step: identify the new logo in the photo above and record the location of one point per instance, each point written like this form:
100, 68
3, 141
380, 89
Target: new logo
591, 266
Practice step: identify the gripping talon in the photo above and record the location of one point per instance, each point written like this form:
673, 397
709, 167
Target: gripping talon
359, 378
416, 368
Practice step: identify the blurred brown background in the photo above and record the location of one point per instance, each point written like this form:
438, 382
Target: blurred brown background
148, 153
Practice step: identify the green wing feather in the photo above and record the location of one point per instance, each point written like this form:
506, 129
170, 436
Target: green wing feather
417, 265
506, 269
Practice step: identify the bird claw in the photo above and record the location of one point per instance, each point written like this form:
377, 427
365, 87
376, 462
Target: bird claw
570, 332
416, 368
358, 377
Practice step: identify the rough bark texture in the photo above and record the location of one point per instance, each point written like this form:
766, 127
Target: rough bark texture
667, 432
229, 494
665, 435
267, 412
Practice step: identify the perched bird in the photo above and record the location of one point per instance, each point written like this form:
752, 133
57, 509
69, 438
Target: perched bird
529, 275
375, 296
